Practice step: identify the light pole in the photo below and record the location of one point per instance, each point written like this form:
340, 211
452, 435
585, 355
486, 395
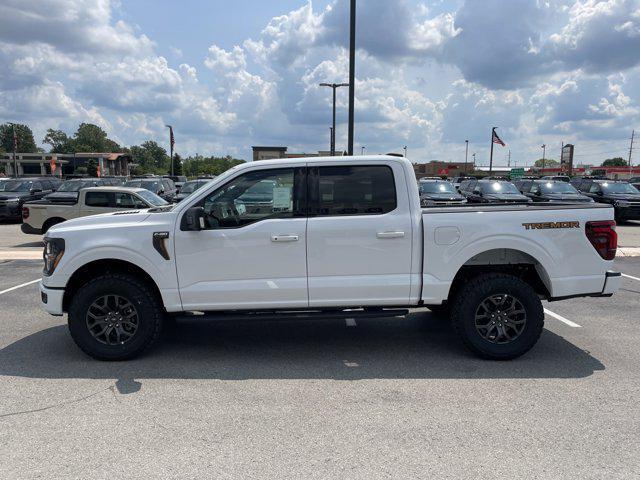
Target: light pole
15, 148
466, 155
171, 142
352, 73
544, 152
474, 160
405, 151
362, 150
334, 87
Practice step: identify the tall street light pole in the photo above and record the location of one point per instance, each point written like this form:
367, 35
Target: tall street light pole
171, 142
334, 87
466, 155
544, 153
352, 74
15, 149
405, 151
362, 150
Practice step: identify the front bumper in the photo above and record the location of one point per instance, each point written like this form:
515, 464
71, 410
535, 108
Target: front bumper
51, 299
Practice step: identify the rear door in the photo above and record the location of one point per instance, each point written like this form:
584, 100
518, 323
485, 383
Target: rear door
358, 236
98, 202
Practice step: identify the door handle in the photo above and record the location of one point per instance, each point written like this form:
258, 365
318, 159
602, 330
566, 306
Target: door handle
284, 238
390, 234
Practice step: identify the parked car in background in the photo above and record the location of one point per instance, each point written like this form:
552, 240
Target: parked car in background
551, 191
188, 188
439, 193
163, 187
458, 180
560, 178
39, 216
635, 181
624, 197
178, 180
492, 191
20, 190
68, 191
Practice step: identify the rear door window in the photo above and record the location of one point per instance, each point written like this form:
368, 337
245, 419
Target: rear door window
99, 199
353, 190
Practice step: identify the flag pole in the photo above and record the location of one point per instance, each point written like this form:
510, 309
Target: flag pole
493, 131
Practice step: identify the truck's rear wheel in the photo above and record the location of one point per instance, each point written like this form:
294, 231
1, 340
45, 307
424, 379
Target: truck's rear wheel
115, 317
498, 316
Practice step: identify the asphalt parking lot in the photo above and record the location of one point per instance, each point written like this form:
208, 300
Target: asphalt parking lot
320, 399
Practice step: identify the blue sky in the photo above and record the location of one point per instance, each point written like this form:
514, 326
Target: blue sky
231, 74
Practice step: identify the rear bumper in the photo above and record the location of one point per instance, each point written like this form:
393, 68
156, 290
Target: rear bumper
611, 283
51, 299
28, 229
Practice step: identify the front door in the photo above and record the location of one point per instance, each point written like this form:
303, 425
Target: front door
359, 236
252, 252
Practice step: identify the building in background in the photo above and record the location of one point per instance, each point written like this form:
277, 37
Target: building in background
437, 168
271, 153
110, 164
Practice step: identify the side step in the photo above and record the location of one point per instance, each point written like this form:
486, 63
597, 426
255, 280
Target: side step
299, 314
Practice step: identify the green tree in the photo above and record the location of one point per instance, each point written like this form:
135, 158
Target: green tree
92, 138
548, 163
200, 165
92, 168
59, 141
615, 162
26, 143
177, 165
150, 158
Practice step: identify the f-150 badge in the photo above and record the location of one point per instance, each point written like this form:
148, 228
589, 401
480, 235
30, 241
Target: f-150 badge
550, 225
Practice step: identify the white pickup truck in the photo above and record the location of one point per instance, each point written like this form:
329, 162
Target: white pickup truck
336, 237
39, 216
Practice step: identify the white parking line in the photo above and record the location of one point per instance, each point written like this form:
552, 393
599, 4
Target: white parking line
629, 276
351, 322
561, 318
19, 286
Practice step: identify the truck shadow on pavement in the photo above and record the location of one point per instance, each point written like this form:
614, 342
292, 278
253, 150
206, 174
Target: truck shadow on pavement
422, 346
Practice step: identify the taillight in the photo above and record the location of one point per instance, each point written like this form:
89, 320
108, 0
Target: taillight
25, 213
603, 237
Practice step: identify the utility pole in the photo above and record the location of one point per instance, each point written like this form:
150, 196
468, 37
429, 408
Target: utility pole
544, 152
633, 133
171, 142
493, 133
334, 87
466, 155
352, 73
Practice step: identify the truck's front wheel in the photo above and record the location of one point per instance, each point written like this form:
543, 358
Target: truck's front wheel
498, 316
115, 317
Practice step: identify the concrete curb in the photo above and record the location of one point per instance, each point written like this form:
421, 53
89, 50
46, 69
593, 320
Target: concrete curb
628, 252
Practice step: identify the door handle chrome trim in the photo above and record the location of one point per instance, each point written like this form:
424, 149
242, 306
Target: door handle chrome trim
284, 238
390, 234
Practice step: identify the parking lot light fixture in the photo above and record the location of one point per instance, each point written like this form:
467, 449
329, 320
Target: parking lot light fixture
334, 87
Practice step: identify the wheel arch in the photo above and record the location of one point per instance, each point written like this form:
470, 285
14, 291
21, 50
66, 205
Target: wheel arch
50, 222
504, 260
104, 266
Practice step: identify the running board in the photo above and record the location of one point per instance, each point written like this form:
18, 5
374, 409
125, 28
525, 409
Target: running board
298, 314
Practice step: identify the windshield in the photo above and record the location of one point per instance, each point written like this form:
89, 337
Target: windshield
17, 186
557, 187
503, 188
74, 186
619, 188
152, 198
191, 187
437, 187
151, 185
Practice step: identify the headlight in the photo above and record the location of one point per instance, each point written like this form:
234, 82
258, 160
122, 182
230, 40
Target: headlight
12, 200
621, 203
53, 251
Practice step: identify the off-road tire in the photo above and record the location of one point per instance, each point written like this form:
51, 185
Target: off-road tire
469, 297
150, 316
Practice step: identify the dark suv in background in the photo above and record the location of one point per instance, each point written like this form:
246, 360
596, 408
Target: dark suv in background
19, 190
439, 193
68, 191
551, 191
492, 191
163, 187
624, 197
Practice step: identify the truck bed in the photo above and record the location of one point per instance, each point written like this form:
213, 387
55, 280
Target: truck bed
498, 207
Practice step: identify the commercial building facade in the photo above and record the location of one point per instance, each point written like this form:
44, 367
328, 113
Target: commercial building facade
110, 164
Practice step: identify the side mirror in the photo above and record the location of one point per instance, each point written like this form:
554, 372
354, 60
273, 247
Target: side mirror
538, 193
193, 220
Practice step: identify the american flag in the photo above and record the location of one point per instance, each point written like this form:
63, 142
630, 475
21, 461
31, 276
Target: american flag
496, 139
171, 139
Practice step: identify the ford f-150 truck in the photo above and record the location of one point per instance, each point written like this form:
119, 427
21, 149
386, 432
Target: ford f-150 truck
40, 216
336, 237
